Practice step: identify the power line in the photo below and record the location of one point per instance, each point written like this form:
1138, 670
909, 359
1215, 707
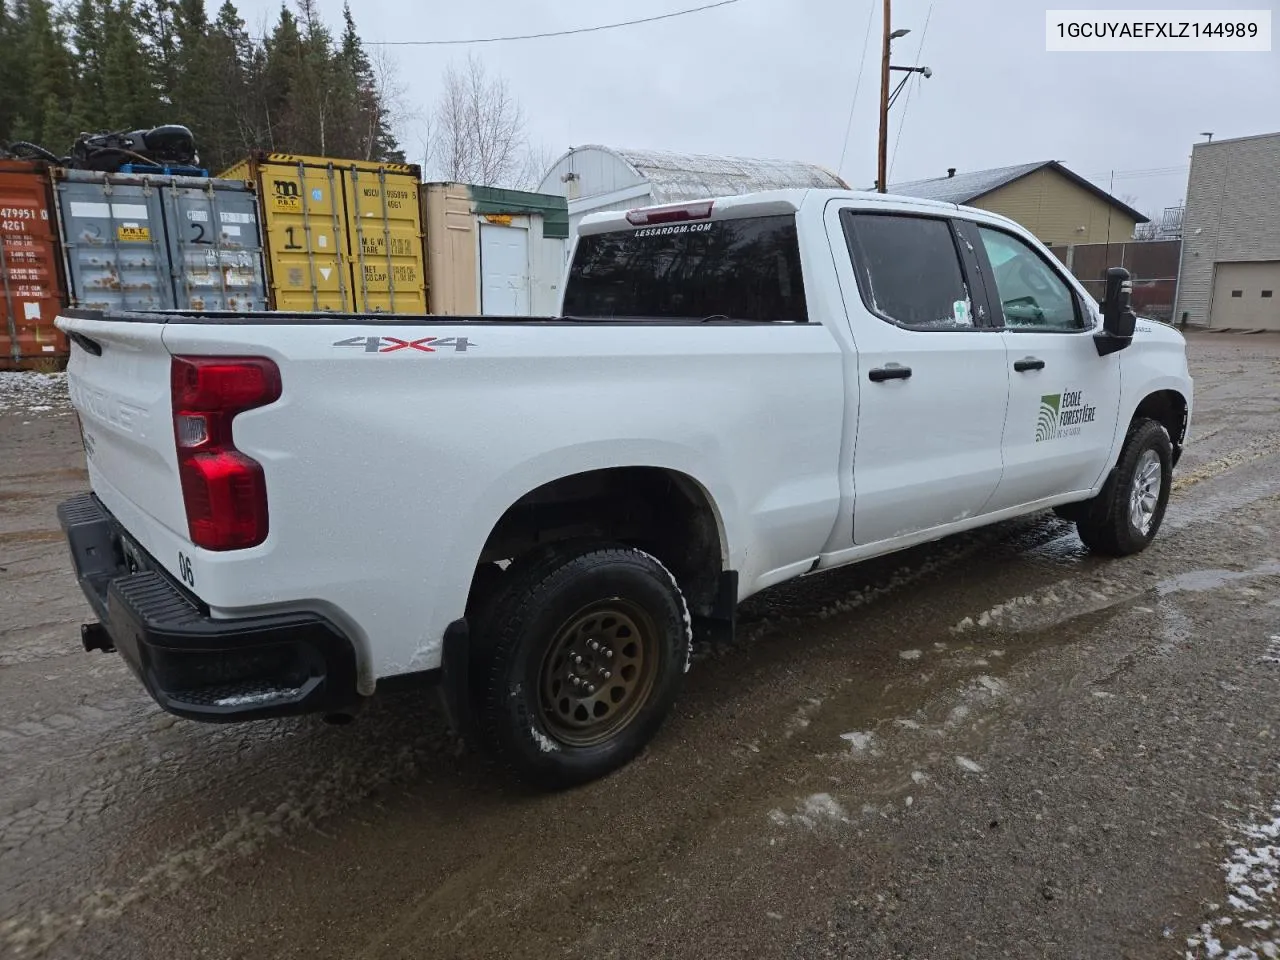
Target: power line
1137, 174
550, 33
902, 121
844, 148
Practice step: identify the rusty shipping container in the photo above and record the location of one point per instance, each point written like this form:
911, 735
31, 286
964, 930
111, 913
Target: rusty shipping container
31, 288
146, 242
343, 235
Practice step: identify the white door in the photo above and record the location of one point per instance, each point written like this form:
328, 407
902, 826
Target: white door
504, 271
1246, 295
1063, 397
933, 381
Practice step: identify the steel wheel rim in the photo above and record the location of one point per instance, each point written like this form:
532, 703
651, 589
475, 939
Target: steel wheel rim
1144, 495
610, 647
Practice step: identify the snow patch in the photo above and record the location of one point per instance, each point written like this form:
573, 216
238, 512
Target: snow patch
1273, 649
801, 718
910, 654
991, 684
245, 699
811, 811
684, 607
966, 764
545, 743
1044, 607
1252, 873
859, 741
22, 392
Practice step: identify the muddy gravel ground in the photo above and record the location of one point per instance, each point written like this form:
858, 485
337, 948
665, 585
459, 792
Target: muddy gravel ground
992, 746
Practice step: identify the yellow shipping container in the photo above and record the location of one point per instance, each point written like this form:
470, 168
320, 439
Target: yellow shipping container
342, 235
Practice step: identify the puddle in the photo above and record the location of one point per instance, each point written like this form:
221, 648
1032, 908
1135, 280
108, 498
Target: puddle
1200, 581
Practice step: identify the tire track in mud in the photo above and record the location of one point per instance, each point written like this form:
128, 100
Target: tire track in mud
194, 833
349, 779
353, 772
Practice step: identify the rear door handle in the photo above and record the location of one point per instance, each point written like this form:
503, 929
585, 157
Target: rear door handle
892, 371
1028, 363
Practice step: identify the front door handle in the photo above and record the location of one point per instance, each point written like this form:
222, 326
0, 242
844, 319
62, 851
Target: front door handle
1028, 363
892, 371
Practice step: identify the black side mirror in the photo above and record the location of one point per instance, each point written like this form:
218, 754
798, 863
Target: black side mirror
1118, 318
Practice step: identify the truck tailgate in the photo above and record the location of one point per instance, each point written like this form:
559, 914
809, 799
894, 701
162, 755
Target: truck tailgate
118, 378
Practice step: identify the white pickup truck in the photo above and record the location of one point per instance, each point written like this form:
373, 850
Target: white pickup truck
289, 512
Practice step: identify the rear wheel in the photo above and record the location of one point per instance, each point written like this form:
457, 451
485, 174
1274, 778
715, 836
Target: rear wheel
579, 661
1127, 514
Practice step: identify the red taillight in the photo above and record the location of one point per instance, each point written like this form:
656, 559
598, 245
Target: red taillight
224, 491
671, 214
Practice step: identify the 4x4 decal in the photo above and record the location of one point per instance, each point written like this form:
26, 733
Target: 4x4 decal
392, 344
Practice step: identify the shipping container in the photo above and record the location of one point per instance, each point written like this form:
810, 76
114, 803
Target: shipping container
142, 242
31, 287
341, 235
494, 252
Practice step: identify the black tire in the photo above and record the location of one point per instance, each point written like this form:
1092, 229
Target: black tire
532, 716
1107, 524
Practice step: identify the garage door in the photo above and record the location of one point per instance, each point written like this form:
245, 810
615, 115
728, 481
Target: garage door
1247, 295
504, 271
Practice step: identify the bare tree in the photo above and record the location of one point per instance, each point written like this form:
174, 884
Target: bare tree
537, 159
477, 132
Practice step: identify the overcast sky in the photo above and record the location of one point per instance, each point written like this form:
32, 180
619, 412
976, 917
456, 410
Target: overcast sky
775, 78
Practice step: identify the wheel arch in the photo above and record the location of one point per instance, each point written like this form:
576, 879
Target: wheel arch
664, 511
1168, 407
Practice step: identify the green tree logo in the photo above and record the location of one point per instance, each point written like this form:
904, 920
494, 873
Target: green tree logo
1047, 421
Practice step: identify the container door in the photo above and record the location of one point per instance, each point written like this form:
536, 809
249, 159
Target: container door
304, 222
504, 271
212, 227
30, 287
113, 238
385, 236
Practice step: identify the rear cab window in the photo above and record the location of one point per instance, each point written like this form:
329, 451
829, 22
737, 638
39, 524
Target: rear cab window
744, 269
909, 270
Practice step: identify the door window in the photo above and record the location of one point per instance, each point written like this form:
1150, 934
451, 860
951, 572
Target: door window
908, 270
1032, 294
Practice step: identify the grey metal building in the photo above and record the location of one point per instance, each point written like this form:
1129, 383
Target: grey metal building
595, 178
1230, 270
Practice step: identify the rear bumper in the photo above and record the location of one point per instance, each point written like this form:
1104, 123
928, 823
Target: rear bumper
196, 666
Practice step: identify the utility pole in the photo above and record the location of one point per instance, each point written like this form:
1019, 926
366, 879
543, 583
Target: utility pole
883, 154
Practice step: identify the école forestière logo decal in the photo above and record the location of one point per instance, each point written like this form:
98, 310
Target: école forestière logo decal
1062, 414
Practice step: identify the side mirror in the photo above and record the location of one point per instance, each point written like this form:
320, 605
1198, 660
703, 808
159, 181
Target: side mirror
1118, 318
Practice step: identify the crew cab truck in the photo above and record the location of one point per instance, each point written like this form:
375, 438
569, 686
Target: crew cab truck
290, 512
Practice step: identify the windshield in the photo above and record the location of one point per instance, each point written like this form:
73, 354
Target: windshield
746, 269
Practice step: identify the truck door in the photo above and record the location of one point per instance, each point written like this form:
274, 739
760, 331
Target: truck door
1063, 397
932, 372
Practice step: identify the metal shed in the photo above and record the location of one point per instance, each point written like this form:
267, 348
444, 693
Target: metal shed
595, 178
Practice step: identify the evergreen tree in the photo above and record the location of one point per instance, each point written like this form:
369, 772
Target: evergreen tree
131, 100
12, 68
233, 126
193, 93
68, 66
46, 79
373, 126
88, 101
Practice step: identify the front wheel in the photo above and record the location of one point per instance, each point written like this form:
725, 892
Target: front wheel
1126, 515
580, 660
